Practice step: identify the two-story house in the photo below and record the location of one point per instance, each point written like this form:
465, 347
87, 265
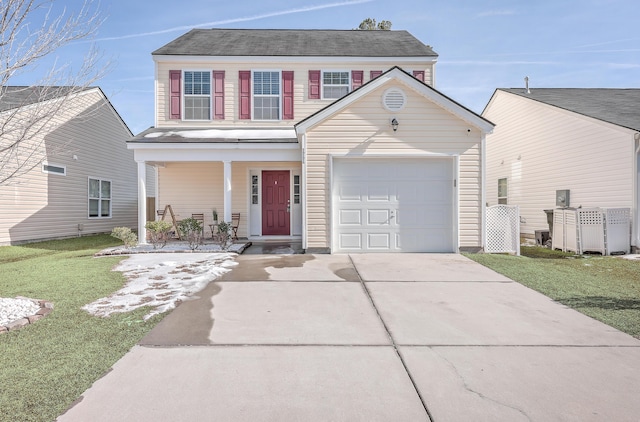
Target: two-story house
337, 138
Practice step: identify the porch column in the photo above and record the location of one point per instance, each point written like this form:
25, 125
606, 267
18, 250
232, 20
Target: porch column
142, 202
227, 191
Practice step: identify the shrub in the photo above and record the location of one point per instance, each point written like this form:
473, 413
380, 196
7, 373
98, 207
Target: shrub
125, 234
224, 234
191, 229
158, 232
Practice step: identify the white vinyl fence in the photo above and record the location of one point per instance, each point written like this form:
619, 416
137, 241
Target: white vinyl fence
603, 230
503, 229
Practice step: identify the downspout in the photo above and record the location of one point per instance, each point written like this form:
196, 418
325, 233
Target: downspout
636, 194
303, 191
483, 194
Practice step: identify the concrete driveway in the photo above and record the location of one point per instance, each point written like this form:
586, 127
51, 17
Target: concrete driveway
403, 337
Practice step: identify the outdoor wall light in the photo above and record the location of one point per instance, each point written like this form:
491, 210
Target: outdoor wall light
394, 124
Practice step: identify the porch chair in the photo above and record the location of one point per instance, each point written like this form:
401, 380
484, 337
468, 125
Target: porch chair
235, 222
200, 219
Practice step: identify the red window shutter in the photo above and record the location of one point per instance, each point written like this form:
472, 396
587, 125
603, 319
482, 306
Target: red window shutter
419, 75
356, 79
287, 95
245, 94
218, 94
175, 85
314, 84
375, 73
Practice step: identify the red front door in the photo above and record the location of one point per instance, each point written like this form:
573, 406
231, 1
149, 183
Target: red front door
275, 203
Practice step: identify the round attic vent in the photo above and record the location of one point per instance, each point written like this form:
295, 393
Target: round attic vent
394, 99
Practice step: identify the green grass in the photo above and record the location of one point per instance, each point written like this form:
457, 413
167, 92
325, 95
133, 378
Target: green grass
605, 288
47, 365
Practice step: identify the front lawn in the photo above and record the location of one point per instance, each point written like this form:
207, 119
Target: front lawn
605, 288
47, 365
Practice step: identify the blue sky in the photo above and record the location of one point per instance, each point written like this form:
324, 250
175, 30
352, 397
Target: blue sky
482, 45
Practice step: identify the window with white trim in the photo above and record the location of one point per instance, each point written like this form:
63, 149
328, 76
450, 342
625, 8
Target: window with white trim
296, 189
99, 198
266, 95
335, 84
197, 95
54, 169
502, 191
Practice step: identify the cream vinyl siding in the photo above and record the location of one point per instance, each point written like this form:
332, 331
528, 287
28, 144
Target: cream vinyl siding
197, 187
191, 188
41, 205
424, 128
540, 149
303, 106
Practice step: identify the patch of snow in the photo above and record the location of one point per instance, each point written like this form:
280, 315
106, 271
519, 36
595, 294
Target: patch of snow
161, 281
228, 134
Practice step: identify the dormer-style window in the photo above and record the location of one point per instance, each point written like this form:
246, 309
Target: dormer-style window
197, 95
335, 84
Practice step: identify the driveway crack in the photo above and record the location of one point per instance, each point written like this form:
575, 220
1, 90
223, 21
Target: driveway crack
393, 342
468, 388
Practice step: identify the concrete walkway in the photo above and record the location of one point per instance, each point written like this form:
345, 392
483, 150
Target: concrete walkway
404, 337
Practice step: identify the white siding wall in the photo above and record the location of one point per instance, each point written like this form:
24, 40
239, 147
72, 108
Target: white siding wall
424, 128
303, 106
40, 206
541, 149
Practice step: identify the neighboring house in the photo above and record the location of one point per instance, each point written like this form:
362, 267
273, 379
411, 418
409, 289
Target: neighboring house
582, 140
337, 138
87, 181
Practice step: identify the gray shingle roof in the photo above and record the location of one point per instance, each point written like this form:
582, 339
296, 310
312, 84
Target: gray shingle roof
19, 96
294, 42
618, 106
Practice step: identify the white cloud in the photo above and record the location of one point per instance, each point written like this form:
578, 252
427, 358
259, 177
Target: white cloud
490, 13
236, 20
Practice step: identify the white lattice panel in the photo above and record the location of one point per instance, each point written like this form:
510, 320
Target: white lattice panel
557, 241
503, 229
618, 230
591, 230
571, 232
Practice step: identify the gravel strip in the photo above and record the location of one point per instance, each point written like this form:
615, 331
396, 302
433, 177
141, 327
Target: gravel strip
15, 309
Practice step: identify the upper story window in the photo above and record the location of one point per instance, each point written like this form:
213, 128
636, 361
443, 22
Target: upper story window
266, 95
197, 95
335, 84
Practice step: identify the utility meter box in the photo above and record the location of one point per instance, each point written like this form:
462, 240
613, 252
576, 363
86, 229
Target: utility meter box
562, 198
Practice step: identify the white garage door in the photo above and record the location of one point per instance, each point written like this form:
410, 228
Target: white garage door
393, 205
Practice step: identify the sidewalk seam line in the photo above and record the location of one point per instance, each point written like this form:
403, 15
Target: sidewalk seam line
393, 342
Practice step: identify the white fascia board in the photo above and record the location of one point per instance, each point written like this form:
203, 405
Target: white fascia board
428, 92
292, 59
216, 155
173, 146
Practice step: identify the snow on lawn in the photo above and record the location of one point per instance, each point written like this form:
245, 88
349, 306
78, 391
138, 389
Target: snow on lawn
161, 281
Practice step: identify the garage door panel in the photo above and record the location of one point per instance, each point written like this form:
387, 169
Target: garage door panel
350, 241
379, 192
381, 241
378, 217
393, 205
350, 217
350, 191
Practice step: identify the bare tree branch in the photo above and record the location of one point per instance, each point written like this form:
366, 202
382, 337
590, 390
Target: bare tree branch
30, 31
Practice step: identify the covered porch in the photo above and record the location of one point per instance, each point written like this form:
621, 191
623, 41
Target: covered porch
254, 172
